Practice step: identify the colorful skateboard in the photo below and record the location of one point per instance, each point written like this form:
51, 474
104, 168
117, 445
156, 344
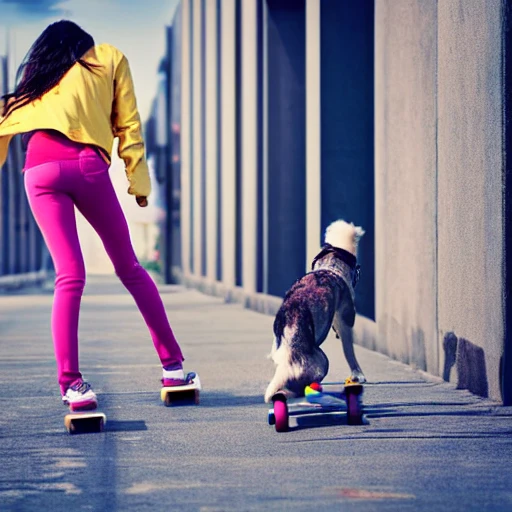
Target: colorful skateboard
182, 395
85, 422
318, 400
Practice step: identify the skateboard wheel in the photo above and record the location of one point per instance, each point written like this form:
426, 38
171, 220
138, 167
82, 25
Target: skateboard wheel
281, 416
196, 397
354, 411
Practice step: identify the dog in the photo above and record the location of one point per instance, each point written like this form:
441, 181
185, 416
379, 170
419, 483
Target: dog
321, 299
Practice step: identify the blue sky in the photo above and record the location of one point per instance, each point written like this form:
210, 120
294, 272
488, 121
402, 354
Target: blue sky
136, 27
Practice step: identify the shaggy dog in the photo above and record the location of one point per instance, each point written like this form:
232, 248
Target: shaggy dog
321, 299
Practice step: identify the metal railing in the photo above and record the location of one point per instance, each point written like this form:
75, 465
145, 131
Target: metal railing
22, 250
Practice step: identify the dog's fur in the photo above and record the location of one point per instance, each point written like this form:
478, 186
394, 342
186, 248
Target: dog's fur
319, 300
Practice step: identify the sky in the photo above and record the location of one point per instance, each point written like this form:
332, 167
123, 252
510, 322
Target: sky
136, 27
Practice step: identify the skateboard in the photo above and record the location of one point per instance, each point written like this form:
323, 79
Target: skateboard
85, 422
182, 395
318, 399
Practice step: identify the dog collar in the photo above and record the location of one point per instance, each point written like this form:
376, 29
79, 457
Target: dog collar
344, 256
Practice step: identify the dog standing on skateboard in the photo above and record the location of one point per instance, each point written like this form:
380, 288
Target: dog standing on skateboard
322, 299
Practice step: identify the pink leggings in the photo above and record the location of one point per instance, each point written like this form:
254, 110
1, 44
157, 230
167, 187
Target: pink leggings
53, 189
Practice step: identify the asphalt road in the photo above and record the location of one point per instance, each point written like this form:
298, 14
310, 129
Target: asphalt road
427, 446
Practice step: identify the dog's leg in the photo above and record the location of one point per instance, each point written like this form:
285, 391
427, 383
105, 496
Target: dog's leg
278, 383
284, 371
347, 340
280, 354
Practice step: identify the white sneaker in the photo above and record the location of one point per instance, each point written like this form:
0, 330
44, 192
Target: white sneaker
80, 397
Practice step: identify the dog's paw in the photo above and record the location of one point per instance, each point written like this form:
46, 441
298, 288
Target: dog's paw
358, 376
272, 389
268, 396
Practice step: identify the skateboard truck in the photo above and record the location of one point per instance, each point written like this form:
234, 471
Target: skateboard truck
318, 400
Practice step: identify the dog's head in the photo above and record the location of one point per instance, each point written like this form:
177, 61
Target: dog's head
344, 235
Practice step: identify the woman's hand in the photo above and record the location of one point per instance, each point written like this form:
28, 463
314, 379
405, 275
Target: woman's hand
142, 201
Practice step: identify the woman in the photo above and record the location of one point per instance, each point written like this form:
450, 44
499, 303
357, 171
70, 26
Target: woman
73, 98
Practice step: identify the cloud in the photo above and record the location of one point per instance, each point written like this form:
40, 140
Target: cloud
136, 27
15, 12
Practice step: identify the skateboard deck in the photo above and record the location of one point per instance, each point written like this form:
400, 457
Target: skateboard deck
343, 397
86, 422
182, 395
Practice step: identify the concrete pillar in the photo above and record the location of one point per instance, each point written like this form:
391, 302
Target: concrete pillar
441, 173
211, 142
249, 127
506, 367
228, 138
405, 180
313, 131
186, 137
470, 196
197, 137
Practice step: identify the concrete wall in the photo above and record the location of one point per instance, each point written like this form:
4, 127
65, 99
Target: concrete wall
405, 180
252, 208
438, 177
470, 171
293, 107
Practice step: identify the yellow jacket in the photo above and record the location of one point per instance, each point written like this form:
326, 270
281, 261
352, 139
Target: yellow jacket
91, 107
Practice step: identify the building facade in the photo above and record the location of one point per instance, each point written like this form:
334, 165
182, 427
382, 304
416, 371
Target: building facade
23, 255
285, 115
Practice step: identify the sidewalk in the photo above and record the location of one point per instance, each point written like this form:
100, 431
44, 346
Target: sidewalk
427, 447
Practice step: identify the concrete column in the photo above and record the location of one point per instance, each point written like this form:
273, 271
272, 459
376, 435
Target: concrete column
186, 137
249, 116
313, 132
197, 140
405, 180
470, 146
506, 367
211, 142
228, 137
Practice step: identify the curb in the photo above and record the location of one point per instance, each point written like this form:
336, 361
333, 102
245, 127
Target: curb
17, 281
365, 329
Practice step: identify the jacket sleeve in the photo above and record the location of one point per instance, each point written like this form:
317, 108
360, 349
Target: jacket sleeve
126, 126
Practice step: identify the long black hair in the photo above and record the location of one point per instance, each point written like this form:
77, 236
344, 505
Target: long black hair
56, 50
